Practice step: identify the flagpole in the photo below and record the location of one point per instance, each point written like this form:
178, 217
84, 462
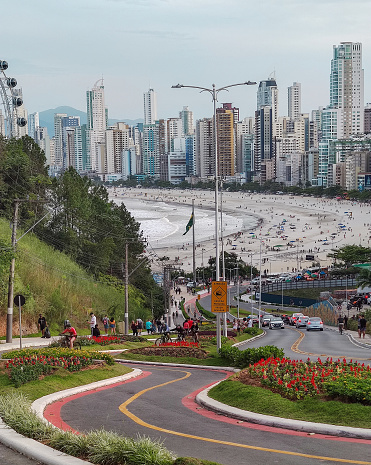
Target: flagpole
193, 232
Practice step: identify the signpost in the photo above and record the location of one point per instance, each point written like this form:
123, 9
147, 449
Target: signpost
219, 296
20, 301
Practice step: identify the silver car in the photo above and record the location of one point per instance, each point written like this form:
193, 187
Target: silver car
301, 321
276, 323
314, 322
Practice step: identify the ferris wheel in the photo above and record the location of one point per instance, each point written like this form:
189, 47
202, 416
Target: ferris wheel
11, 99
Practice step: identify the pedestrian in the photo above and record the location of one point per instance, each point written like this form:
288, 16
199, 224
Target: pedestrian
93, 322
249, 324
362, 326
134, 328
112, 325
345, 322
149, 326
105, 321
139, 325
41, 323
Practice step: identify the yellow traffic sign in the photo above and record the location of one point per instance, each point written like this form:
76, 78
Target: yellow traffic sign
219, 296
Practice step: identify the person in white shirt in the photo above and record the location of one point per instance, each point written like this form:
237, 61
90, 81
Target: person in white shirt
93, 322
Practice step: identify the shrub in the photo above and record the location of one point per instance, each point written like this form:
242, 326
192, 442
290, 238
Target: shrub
244, 358
208, 315
23, 374
253, 331
101, 447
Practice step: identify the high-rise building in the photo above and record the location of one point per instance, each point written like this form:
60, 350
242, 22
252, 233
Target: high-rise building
205, 154
96, 122
151, 149
347, 87
33, 123
294, 100
367, 128
150, 107
174, 130
225, 140
186, 115
58, 138
267, 95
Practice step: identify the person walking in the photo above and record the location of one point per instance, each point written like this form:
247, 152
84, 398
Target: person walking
42, 324
105, 321
112, 325
149, 326
93, 322
134, 328
362, 326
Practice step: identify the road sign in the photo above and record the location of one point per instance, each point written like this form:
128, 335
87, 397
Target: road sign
219, 296
19, 300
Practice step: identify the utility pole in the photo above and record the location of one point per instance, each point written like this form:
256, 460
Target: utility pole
126, 288
9, 316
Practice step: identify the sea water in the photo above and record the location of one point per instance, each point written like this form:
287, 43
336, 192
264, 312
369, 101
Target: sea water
164, 223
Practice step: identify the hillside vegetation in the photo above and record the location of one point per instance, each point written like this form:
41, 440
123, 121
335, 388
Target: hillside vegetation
71, 259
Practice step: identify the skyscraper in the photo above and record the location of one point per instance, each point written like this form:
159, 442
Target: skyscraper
347, 87
294, 100
225, 119
96, 122
186, 115
150, 107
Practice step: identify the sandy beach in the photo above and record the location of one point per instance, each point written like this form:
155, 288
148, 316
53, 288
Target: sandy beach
287, 227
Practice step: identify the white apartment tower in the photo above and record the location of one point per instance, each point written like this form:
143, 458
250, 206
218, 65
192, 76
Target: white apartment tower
294, 101
347, 87
150, 107
96, 121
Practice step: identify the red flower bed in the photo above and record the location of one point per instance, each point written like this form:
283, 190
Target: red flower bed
295, 379
106, 340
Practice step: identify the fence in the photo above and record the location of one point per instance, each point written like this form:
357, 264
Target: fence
318, 283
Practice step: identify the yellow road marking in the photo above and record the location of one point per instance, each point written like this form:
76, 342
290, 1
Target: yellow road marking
295, 348
125, 411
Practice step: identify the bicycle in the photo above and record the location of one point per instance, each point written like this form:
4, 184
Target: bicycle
163, 339
194, 335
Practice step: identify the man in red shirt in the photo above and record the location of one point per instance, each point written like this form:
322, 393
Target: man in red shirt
71, 334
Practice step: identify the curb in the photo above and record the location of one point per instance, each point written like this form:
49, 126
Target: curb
177, 365
36, 450
297, 425
238, 344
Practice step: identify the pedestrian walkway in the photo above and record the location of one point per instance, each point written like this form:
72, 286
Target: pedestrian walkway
26, 342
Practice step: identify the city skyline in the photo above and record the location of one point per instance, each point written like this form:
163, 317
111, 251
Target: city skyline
57, 54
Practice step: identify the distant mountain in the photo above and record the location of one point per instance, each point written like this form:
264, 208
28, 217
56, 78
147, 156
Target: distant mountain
47, 118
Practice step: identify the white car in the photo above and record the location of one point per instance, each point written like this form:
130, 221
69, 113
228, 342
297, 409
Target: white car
301, 321
276, 323
314, 322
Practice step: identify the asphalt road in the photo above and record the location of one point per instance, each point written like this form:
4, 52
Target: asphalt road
301, 344
10, 457
161, 406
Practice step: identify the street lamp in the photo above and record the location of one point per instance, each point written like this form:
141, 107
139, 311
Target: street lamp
214, 94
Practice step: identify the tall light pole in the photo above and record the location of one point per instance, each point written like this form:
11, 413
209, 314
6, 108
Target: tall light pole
214, 94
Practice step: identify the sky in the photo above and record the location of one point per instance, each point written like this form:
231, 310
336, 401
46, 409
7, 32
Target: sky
58, 49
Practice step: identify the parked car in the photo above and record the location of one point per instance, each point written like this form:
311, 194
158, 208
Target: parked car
301, 321
293, 318
276, 323
314, 322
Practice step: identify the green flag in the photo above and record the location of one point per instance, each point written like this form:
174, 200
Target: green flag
189, 224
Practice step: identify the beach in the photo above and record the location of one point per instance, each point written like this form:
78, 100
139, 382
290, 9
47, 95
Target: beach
284, 228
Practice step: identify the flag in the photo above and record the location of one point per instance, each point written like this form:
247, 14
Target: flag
189, 225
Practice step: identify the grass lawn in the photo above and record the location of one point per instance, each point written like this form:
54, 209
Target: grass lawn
260, 400
60, 380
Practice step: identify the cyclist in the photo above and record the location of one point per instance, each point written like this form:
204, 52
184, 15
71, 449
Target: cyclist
341, 324
71, 334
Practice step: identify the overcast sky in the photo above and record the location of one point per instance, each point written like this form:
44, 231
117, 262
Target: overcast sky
58, 49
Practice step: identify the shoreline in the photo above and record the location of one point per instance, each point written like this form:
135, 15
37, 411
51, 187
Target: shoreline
288, 227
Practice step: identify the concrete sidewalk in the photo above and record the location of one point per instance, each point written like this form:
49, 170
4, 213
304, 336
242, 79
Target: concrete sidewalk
26, 342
